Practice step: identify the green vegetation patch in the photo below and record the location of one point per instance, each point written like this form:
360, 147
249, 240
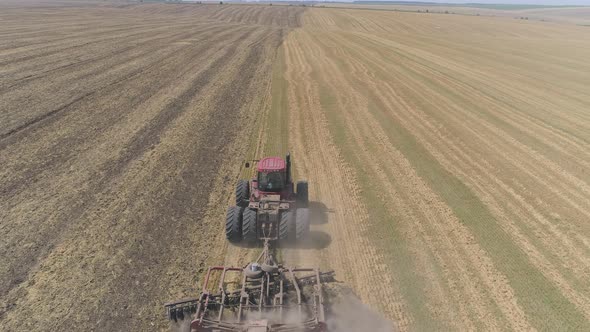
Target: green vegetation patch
277, 139
543, 303
412, 285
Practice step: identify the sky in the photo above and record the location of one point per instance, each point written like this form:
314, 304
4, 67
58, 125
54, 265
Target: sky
518, 2
515, 2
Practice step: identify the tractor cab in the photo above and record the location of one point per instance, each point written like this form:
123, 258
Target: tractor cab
273, 175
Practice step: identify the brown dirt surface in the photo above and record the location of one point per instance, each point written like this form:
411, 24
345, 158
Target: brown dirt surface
120, 126
579, 15
451, 153
447, 157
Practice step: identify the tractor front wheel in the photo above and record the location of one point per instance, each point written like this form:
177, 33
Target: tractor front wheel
302, 194
242, 193
301, 223
233, 224
249, 226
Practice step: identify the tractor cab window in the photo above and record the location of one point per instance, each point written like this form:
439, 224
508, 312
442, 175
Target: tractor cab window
271, 181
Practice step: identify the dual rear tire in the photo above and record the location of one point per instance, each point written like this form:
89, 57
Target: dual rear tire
249, 233
301, 223
240, 225
233, 224
242, 193
294, 224
286, 225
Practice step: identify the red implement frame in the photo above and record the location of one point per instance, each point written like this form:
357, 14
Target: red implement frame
273, 299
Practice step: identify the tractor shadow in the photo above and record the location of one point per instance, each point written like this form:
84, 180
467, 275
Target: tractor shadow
318, 213
314, 240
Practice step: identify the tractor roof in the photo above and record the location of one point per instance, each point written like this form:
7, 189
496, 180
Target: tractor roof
271, 164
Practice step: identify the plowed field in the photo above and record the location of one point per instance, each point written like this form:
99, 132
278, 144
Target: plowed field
117, 124
448, 159
452, 154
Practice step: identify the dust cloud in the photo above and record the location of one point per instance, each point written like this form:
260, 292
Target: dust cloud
346, 313
183, 325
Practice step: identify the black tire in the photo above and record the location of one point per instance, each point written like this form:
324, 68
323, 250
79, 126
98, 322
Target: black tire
301, 223
180, 314
249, 233
233, 224
242, 193
302, 194
172, 314
286, 225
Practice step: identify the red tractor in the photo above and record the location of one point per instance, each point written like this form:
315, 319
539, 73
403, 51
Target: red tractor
268, 206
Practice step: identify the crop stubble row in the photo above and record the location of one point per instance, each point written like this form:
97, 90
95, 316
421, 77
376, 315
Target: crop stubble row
446, 153
112, 141
466, 142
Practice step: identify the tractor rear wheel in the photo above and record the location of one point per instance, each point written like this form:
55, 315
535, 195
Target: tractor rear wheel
302, 194
249, 226
301, 223
286, 225
233, 224
242, 193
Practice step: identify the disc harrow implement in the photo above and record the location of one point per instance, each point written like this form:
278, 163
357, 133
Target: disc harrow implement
263, 296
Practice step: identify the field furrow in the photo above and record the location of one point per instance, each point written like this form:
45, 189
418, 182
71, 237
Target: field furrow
447, 158
117, 156
471, 166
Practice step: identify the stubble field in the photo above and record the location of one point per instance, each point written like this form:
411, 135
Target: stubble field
121, 127
447, 158
455, 153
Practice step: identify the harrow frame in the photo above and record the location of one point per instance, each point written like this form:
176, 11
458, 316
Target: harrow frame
268, 298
